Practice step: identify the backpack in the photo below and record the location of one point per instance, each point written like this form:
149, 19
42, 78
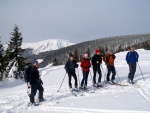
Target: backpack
130, 53
107, 58
27, 73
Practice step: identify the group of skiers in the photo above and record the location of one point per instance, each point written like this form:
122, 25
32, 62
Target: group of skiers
35, 83
131, 59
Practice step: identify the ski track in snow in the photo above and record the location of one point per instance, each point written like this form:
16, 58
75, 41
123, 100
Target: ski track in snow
16, 101
82, 110
144, 91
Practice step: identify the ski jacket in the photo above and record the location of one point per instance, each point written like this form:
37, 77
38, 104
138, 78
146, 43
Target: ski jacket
34, 78
70, 66
109, 59
96, 58
132, 57
85, 65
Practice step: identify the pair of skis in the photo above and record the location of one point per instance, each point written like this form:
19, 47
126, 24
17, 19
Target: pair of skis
117, 84
80, 91
75, 92
37, 102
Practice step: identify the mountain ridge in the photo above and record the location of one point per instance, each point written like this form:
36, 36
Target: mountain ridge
34, 48
110, 42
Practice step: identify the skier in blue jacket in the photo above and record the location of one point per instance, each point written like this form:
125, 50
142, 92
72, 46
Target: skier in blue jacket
132, 58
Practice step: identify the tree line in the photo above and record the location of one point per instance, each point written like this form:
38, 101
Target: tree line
104, 50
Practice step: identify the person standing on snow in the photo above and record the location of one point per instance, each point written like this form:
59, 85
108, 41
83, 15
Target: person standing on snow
109, 60
35, 84
131, 59
96, 62
85, 65
70, 69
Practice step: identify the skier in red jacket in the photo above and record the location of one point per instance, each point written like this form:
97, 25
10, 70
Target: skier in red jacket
85, 65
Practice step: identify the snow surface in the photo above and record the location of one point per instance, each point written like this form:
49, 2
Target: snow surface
110, 99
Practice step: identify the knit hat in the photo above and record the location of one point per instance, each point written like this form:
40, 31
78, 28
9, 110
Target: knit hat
97, 51
35, 62
70, 55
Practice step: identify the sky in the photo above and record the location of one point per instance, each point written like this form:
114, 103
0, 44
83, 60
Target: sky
73, 20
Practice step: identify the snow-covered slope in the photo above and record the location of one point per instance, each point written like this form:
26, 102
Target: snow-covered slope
47, 45
109, 99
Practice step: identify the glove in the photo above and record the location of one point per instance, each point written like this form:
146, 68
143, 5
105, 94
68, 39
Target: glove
41, 82
77, 65
107, 63
28, 84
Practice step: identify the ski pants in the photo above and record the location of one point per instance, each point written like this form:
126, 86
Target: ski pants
70, 74
111, 68
34, 89
132, 70
99, 72
85, 78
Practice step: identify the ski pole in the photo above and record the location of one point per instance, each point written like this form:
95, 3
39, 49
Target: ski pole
62, 82
141, 73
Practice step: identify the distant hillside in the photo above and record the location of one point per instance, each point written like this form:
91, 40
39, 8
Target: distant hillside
110, 42
43, 46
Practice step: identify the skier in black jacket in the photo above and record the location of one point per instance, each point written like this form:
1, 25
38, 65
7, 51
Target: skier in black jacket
35, 83
70, 69
96, 62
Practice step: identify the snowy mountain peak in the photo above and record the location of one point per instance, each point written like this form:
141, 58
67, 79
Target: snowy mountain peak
46, 45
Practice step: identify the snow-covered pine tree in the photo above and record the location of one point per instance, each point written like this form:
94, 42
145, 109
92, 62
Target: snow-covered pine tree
14, 52
102, 50
88, 52
2, 63
81, 57
120, 49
